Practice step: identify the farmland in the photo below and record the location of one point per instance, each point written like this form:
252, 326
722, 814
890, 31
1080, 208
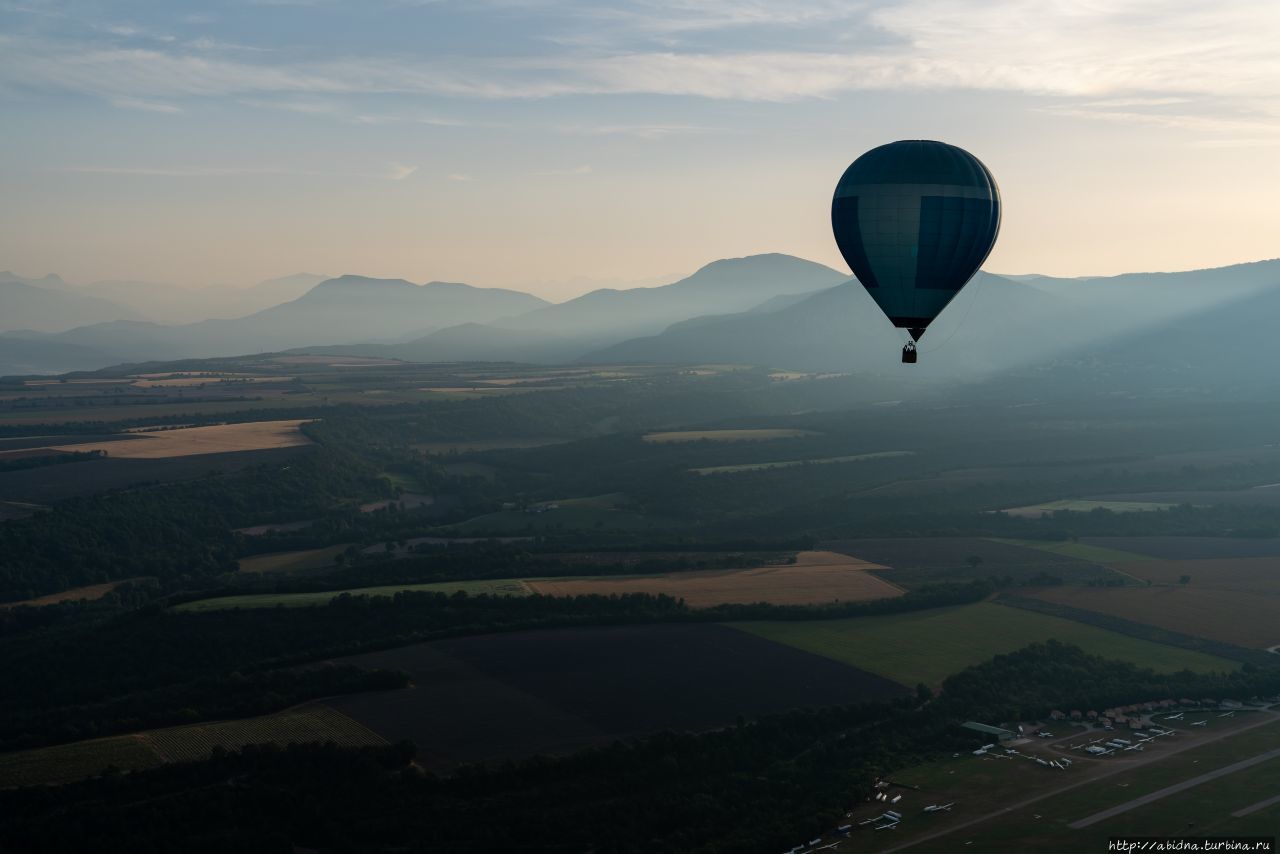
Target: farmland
88, 592
1239, 617
63, 763
1190, 548
196, 441
928, 646
462, 446
497, 587
815, 577
556, 690
570, 473
926, 560
1259, 574
743, 435
854, 458
1086, 505
1083, 551
291, 561
1264, 496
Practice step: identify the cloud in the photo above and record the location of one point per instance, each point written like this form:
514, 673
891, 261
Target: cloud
642, 131
148, 106
186, 171
392, 171
460, 177
399, 171
584, 169
1136, 55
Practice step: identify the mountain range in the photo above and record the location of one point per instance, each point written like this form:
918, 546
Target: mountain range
52, 304
773, 310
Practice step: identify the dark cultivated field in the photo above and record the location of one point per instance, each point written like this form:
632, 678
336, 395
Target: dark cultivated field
24, 442
54, 483
552, 691
1190, 548
929, 560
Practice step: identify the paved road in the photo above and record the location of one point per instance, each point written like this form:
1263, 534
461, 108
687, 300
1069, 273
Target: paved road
1264, 718
1175, 788
1260, 805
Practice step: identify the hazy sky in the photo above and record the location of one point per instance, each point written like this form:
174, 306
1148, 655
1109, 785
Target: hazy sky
518, 142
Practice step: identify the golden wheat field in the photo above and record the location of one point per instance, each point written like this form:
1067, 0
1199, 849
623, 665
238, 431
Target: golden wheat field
191, 441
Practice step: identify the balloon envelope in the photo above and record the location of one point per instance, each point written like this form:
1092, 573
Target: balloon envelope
915, 220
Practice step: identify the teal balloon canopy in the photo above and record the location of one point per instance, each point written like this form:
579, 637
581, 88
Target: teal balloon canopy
915, 220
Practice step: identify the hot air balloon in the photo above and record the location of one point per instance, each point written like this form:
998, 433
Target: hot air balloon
915, 220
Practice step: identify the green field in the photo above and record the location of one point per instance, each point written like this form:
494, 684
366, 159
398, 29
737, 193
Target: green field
500, 586
879, 455
742, 435
1205, 809
1082, 505
292, 561
1066, 548
66, 762
928, 646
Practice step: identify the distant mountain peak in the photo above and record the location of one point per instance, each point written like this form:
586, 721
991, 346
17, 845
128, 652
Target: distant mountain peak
49, 280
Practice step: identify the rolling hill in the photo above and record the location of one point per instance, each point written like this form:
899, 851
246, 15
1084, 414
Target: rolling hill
348, 308
729, 285
1191, 324
40, 306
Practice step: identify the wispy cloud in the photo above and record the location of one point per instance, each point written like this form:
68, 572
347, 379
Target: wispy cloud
187, 171
643, 131
584, 169
147, 106
400, 171
460, 177
1122, 60
391, 172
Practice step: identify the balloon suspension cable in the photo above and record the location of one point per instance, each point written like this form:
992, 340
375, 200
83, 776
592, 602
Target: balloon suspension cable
976, 287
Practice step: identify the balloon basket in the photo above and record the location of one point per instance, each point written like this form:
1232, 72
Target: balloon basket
909, 354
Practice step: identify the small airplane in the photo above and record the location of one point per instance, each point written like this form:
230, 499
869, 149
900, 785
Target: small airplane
1200, 723
1228, 715
939, 807
1176, 717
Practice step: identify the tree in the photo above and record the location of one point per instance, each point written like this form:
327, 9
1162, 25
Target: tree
1184, 580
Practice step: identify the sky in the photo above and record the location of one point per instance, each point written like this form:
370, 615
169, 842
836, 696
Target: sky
559, 146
